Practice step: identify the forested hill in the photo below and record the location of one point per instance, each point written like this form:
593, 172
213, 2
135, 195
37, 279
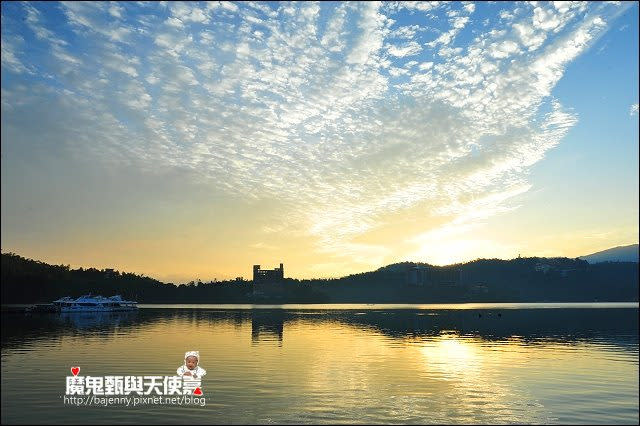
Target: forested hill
484, 280
26, 281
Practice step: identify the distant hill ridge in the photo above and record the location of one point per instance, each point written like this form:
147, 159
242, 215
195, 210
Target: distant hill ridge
616, 254
532, 279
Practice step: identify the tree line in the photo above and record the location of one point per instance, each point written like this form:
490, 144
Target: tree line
484, 280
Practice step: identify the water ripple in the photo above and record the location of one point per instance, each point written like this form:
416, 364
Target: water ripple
359, 365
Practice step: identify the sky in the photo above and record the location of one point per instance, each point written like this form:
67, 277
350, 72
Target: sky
193, 140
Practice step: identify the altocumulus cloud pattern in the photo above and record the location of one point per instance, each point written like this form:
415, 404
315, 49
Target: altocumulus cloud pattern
343, 112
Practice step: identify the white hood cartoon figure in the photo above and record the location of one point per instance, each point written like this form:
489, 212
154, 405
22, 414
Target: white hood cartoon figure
190, 369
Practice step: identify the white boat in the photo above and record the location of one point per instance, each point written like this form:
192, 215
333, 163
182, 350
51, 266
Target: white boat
89, 303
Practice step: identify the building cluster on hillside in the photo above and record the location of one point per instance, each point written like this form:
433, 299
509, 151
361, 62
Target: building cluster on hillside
550, 266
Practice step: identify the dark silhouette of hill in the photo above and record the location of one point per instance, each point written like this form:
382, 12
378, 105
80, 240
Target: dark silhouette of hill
484, 280
617, 254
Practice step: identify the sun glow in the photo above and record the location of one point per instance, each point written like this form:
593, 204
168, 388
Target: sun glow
461, 250
452, 355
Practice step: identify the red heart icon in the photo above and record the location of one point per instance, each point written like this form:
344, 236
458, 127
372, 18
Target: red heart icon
197, 391
75, 370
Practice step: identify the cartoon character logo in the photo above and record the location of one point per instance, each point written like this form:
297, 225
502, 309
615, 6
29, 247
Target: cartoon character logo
190, 368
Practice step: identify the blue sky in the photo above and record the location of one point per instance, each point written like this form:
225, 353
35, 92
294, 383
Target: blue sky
181, 139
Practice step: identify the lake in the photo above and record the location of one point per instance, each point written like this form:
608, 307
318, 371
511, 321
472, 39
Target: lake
467, 363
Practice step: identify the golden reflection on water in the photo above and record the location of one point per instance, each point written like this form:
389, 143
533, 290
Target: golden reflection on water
395, 367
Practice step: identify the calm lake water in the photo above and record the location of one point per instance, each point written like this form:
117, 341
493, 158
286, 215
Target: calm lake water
484, 363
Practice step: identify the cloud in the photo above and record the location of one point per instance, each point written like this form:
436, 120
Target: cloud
188, 12
633, 110
98, 18
410, 49
283, 104
371, 37
10, 59
504, 49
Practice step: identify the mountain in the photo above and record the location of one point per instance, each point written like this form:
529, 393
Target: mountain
617, 254
534, 279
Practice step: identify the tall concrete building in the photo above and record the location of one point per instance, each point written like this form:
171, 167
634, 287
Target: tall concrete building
264, 275
268, 282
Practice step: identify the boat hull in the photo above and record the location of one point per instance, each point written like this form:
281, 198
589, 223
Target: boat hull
96, 309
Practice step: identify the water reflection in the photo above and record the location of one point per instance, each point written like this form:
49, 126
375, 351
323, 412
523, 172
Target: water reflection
96, 320
361, 365
615, 326
267, 325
